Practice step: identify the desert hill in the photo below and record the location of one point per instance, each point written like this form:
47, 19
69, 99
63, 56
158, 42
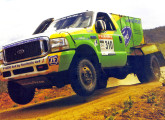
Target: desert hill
156, 35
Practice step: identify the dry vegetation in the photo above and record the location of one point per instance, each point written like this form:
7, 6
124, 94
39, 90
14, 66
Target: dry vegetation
148, 106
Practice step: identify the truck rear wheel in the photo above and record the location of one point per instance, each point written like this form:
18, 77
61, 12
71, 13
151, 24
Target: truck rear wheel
84, 76
150, 69
20, 94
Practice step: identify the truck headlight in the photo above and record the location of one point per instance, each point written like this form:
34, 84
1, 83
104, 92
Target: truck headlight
59, 44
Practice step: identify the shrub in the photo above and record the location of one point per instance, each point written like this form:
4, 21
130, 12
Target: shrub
127, 105
110, 118
151, 99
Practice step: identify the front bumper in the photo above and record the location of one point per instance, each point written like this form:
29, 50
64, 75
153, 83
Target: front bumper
51, 63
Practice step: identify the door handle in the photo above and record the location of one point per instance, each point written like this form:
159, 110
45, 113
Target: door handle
120, 39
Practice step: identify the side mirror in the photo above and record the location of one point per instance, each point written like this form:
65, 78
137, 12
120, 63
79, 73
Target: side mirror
100, 26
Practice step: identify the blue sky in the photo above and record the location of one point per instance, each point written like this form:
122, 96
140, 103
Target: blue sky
19, 18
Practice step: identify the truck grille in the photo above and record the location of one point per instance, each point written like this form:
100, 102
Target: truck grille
25, 50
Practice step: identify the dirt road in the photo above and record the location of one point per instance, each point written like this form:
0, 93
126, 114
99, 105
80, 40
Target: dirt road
75, 107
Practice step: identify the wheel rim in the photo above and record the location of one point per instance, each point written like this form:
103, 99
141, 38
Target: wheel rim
87, 77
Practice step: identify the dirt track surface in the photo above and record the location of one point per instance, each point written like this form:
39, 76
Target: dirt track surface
75, 107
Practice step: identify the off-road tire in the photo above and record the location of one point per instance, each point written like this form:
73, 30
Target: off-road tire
20, 94
84, 77
149, 69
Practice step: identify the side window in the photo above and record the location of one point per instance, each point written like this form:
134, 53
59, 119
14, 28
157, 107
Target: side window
107, 20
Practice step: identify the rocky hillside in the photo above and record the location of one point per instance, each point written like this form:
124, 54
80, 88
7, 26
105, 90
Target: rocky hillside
156, 35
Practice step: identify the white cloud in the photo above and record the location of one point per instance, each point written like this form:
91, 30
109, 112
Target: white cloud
20, 17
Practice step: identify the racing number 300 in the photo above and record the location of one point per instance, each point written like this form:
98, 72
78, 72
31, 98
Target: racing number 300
109, 44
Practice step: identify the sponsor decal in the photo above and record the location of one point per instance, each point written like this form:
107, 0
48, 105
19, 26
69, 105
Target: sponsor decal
43, 60
93, 37
106, 44
105, 37
33, 82
90, 31
95, 43
37, 61
134, 21
127, 33
21, 65
53, 60
81, 38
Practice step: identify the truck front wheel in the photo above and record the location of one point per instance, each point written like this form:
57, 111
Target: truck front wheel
84, 76
20, 94
150, 69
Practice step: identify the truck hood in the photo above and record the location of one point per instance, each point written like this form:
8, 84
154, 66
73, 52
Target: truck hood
49, 33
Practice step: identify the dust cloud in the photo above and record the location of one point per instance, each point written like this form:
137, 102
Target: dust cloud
131, 79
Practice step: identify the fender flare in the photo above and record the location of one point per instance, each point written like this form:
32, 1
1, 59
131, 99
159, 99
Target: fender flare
147, 49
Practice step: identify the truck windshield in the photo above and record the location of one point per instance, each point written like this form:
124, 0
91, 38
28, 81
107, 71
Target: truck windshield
81, 20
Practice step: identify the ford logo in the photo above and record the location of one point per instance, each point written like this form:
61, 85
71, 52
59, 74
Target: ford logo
21, 51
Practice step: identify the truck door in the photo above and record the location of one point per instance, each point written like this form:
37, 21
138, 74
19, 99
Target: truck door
111, 42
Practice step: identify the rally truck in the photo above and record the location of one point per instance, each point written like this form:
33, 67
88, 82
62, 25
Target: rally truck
83, 50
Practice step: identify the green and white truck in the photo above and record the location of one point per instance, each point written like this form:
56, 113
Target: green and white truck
82, 50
